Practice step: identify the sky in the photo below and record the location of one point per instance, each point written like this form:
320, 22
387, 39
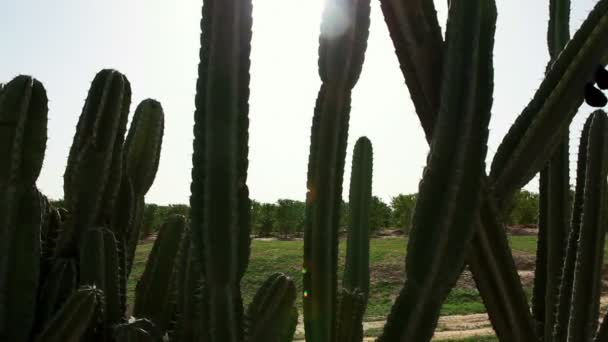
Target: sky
155, 43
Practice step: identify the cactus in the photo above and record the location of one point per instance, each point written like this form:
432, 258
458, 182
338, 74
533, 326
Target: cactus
220, 202
189, 306
350, 315
356, 269
43, 304
341, 58
23, 121
554, 213
77, 319
537, 130
459, 147
589, 253
139, 330
140, 159
60, 283
421, 60
92, 175
272, 315
155, 295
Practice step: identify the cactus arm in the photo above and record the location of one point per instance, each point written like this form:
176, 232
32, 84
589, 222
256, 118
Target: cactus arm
350, 316
78, 316
499, 286
554, 189
341, 56
155, 295
449, 194
416, 36
537, 131
140, 158
558, 33
495, 274
587, 272
220, 198
356, 269
269, 316
99, 268
143, 145
565, 290
90, 179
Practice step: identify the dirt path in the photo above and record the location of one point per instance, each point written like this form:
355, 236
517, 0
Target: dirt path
448, 327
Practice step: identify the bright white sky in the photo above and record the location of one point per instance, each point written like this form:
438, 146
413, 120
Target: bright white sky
64, 43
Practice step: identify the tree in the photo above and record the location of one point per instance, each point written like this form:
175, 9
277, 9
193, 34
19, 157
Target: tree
403, 210
380, 214
289, 216
263, 216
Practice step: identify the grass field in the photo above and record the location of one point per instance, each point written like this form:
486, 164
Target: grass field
387, 262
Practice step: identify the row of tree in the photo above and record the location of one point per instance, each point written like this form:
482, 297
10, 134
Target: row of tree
285, 217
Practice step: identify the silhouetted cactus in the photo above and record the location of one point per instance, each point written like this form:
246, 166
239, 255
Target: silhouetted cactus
341, 56
155, 295
554, 189
23, 121
92, 176
220, 214
356, 269
60, 248
272, 315
77, 319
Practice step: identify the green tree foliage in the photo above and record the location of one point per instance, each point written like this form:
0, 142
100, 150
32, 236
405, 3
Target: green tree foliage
402, 210
289, 216
380, 214
524, 209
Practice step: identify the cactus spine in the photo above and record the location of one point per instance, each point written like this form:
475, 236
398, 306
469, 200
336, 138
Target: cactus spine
356, 269
220, 198
341, 58
23, 121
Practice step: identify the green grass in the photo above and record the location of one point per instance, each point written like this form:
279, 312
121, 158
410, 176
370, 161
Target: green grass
387, 262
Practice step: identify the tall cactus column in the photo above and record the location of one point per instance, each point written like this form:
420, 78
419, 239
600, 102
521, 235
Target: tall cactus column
341, 53
23, 121
220, 202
